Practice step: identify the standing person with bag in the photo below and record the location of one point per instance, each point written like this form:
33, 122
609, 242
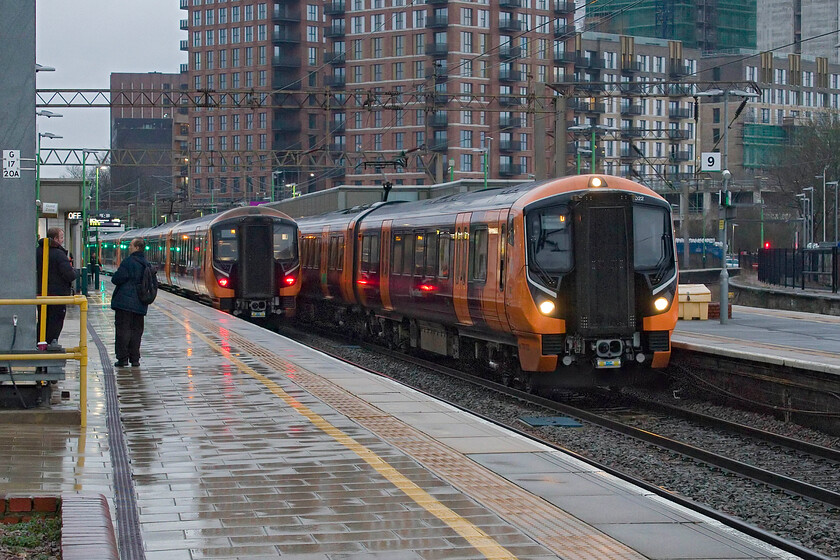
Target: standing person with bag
60, 278
126, 302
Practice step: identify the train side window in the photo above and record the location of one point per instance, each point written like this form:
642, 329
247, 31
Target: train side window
397, 259
431, 254
374, 254
444, 254
510, 231
340, 263
419, 254
408, 254
332, 262
365, 261
478, 253
502, 256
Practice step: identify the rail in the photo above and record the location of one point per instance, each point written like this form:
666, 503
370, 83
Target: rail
79, 352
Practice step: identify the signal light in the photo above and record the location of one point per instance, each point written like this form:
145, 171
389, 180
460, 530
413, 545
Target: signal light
766, 244
428, 288
289, 280
223, 282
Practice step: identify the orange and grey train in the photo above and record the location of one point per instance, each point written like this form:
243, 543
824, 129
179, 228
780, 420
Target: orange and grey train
244, 261
564, 282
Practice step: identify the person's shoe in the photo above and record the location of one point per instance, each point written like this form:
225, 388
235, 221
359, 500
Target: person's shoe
120, 363
135, 364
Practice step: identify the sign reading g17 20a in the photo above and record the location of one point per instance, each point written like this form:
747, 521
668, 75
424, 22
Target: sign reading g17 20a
11, 164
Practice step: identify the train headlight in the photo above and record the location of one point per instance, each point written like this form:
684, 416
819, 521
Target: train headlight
547, 307
661, 304
597, 182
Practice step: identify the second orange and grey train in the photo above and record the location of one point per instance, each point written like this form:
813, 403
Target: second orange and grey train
244, 261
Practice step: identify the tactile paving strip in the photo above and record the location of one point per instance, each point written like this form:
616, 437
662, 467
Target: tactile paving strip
559, 531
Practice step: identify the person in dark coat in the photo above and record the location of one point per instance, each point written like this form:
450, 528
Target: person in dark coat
130, 312
60, 278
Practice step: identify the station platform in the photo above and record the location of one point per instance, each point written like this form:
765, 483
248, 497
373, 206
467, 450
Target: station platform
791, 338
230, 441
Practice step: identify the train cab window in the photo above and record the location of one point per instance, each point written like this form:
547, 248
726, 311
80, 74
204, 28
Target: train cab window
419, 254
549, 243
478, 254
431, 254
444, 254
651, 236
285, 242
225, 241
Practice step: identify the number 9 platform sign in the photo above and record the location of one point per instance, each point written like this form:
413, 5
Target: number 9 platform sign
710, 161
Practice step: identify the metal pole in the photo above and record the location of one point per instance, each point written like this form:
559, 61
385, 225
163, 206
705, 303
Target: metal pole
836, 186
824, 204
485, 167
724, 273
592, 145
83, 261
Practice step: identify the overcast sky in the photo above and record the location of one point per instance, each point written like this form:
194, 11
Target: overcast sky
85, 41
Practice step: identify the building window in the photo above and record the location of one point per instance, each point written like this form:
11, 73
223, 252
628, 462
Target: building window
312, 33
399, 140
466, 162
399, 70
249, 56
311, 12
399, 45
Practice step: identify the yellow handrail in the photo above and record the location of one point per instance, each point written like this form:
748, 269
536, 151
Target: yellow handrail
78, 353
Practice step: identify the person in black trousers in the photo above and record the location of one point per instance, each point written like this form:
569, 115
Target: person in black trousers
60, 278
130, 312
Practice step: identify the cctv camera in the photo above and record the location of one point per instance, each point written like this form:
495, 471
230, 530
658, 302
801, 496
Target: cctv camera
37, 203
726, 174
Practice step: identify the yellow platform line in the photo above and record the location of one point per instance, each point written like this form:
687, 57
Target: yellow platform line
480, 540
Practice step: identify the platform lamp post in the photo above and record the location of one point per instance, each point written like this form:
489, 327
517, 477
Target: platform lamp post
130, 204
488, 142
38, 167
804, 200
834, 184
810, 214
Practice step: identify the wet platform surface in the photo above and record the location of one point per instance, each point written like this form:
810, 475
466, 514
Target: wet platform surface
239, 443
804, 340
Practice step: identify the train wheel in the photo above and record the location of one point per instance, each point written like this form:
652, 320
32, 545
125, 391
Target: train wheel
507, 377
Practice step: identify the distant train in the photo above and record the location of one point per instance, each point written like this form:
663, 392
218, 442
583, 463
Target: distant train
564, 282
244, 261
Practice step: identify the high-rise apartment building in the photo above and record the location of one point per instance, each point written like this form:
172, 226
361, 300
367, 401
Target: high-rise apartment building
442, 81
708, 25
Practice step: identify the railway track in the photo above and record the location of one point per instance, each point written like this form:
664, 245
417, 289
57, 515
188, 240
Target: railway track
818, 478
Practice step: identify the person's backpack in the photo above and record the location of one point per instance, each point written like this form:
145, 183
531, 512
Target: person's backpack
148, 286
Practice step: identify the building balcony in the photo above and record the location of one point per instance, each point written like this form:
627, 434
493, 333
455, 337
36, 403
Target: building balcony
629, 154
184, 45
582, 106
439, 144
285, 14
438, 2
184, 68
510, 24
335, 82
588, 62
285, 36
510, 4
510, 122
335, 57
632, 132
631, 67
678, 134
440, 120
680, 113
510, 170
507, 75
507, 52
680, 90
679, 156
564, 56
185, 24
436, 22
562, 8
510, 101
507, 146
438, 73
632, 110
285, 125
334, 31
335, 8
677, 69
338, 127
561, 31
440, 98
437, 49
285, 61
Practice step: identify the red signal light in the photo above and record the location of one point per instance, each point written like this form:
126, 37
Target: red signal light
428, 288
223, 282
289, 280
766, 244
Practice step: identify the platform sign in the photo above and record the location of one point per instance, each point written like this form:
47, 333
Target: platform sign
710, 161
49, 209
11, 164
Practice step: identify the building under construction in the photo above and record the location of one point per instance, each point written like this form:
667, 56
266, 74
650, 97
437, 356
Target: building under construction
717, 26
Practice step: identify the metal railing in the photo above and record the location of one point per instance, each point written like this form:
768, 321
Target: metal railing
806, 269
79, 353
